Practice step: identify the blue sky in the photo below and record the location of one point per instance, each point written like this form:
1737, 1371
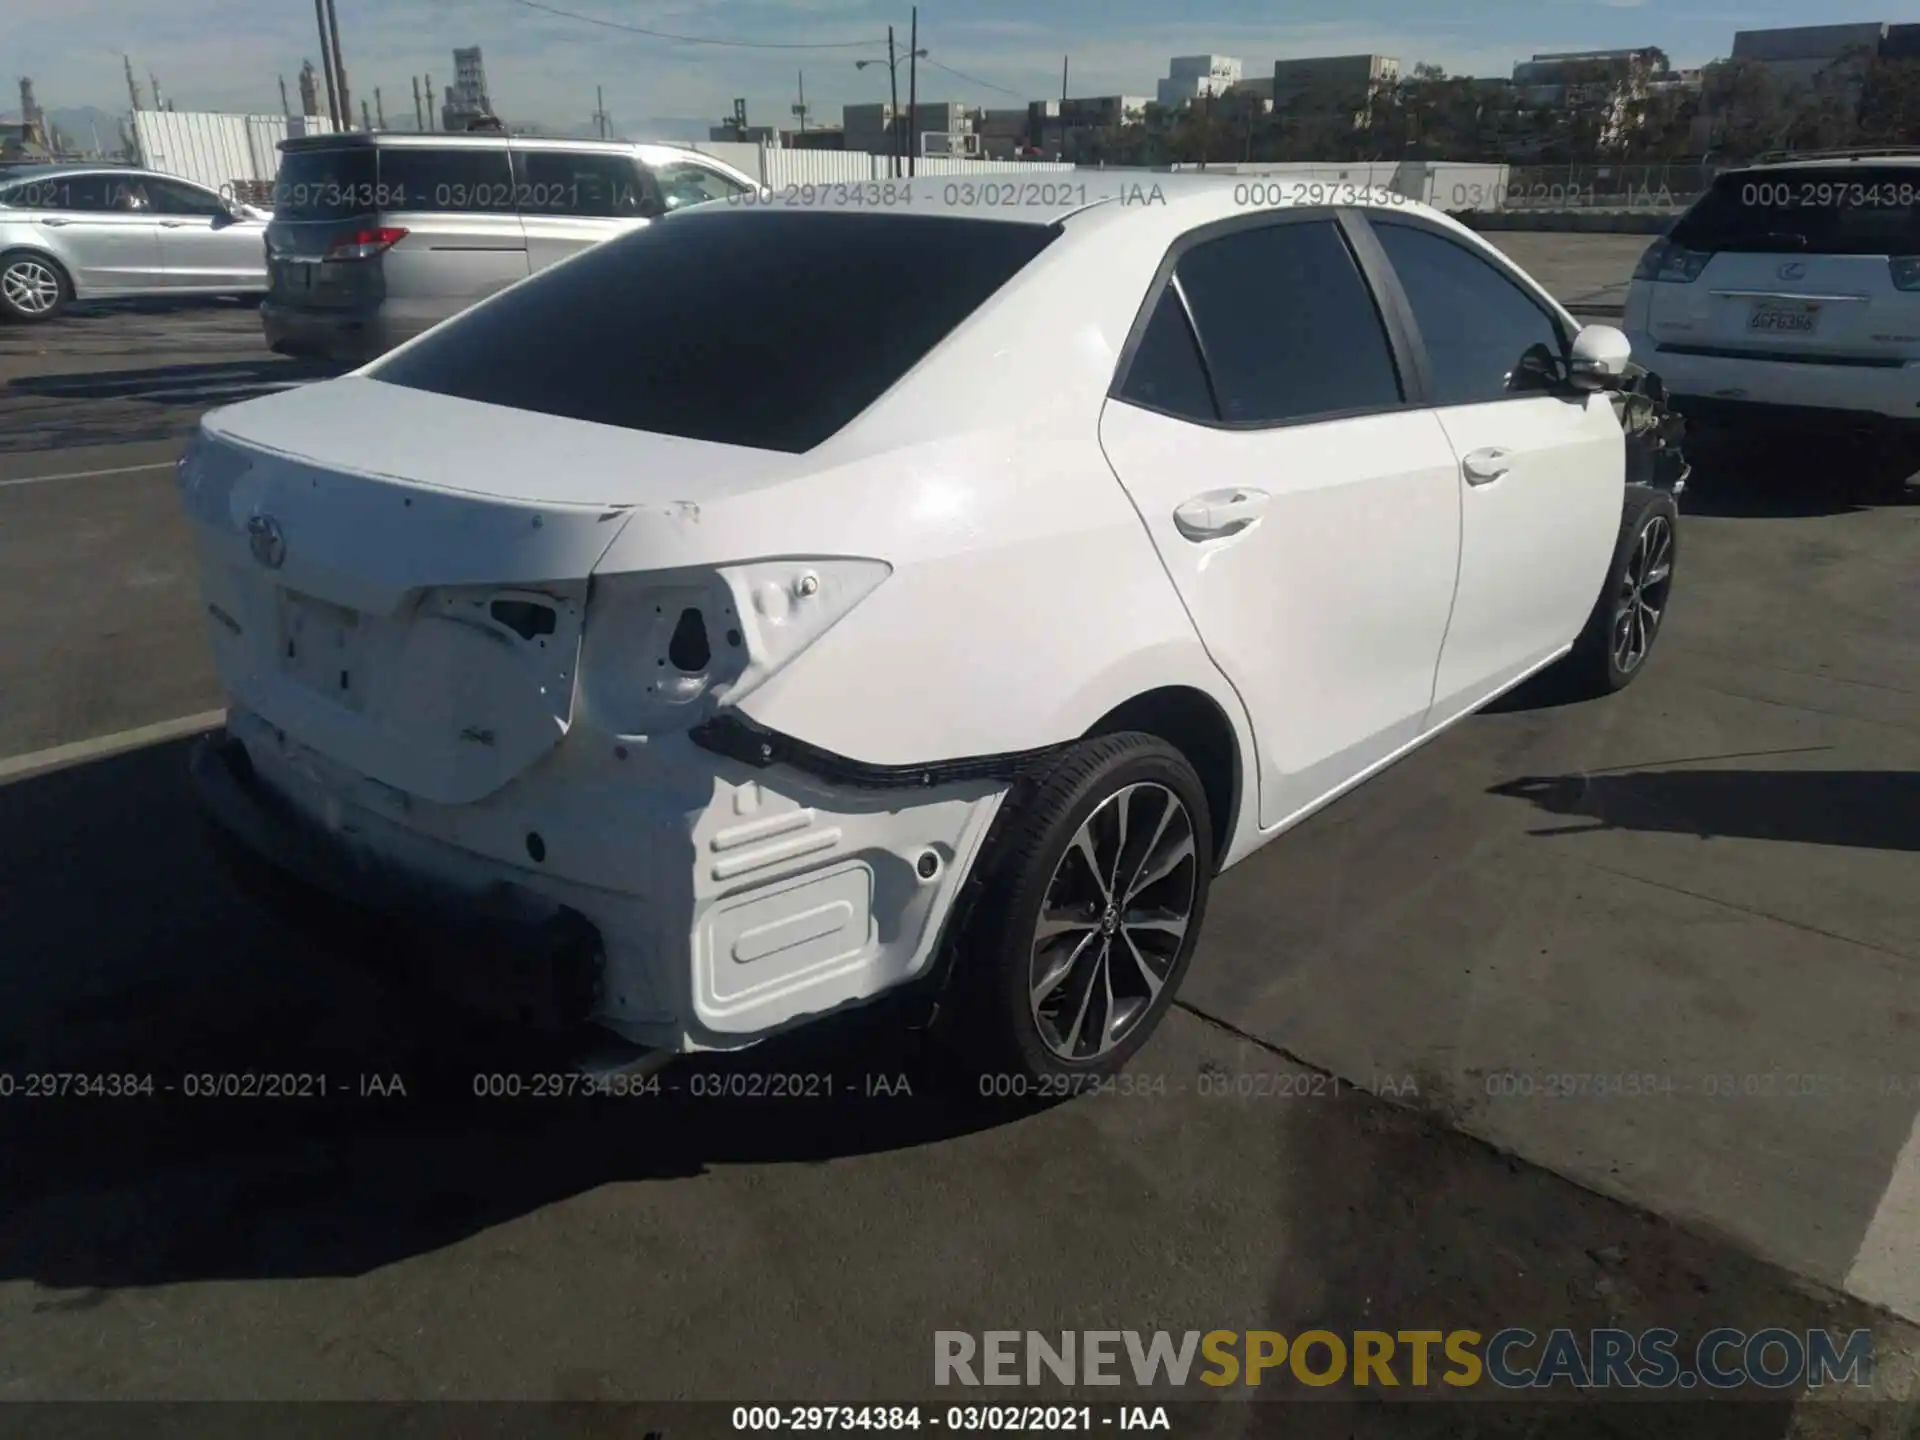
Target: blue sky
225, 54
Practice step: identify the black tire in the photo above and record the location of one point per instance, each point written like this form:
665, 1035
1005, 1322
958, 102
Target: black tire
1599, 664
989, 1020
63, 291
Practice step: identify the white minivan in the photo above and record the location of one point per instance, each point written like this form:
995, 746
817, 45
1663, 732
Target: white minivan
378, 237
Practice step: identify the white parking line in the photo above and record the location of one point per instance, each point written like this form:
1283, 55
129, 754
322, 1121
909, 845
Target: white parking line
88, 474
40, 762
1886, 1270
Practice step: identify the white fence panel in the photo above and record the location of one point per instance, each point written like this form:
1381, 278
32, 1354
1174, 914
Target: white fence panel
942, 165
1467, 187
822, 167
216, 150
744, 156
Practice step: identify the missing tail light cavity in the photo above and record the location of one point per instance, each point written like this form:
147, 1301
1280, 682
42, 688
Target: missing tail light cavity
688, 649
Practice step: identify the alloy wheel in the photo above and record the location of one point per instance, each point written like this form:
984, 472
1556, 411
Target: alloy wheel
1642, 598
1113, 922
30, 286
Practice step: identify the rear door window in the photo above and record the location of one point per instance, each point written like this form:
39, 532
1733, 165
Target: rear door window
579, 182
1288, 326
447, 180
340, 183
764, 328
1166, 373
1818, 210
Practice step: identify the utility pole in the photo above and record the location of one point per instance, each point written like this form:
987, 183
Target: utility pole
599, 113
285, 108
366, 118
913, 95
1063, 106
433, 120
133, 85
326, 65
800, 109
419, 120
339, 62
893, 82
379, 109
153, 89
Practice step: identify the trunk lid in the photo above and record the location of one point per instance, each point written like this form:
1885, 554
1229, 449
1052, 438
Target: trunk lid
399, 579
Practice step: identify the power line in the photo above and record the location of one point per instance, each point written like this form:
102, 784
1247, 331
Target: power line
696, 39
972, 79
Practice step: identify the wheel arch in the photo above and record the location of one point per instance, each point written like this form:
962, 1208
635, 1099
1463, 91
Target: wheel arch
1192, 722
7, 252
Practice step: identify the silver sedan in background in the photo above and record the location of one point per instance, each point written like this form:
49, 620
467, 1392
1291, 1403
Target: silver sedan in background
108, 232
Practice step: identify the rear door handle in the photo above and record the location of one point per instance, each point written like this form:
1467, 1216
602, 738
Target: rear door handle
171, 224
1220, 512
1485, 466
56, 224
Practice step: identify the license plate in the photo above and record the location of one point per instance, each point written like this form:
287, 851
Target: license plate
1770, 318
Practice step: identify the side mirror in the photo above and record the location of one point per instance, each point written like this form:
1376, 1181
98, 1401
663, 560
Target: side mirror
1598, 358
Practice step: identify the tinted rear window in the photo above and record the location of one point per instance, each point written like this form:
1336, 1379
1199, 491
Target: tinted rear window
769, 329
326, 184
1822, 210
458, 178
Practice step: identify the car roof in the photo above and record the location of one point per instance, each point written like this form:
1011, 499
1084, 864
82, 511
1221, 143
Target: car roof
478, 140
1053, 197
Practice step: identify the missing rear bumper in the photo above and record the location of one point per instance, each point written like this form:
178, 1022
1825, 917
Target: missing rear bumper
503, 952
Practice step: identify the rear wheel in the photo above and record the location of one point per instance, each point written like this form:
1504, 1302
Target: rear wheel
1620, 633
32, 287
1082, 917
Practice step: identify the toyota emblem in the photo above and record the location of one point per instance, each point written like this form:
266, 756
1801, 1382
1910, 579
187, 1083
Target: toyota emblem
269, 546
1792, 270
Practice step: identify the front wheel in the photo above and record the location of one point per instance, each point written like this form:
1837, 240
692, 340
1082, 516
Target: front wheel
32, 287
1613, 648
1082, 917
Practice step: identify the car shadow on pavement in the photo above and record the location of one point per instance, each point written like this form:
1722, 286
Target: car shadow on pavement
1783, 478
1869, 809
129, 953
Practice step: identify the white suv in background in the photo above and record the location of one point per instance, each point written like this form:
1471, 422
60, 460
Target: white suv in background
1789, 297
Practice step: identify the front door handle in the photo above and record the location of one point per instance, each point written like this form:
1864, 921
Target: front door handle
171, 224
56, 224
1484, 466
1220, 512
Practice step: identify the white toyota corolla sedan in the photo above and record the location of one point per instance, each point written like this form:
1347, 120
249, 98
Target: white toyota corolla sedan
785, 605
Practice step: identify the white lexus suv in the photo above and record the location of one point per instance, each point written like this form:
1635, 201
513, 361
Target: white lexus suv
781, 606
1788, 298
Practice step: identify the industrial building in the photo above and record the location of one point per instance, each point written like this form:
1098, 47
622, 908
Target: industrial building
1800, 55
1333, 84
467, 98
872, 127
1190, 77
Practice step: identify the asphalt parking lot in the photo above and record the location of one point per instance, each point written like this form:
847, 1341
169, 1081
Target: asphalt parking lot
1426, 999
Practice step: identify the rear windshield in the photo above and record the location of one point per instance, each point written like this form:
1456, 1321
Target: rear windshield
1822, 210
765, 328
326, 184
